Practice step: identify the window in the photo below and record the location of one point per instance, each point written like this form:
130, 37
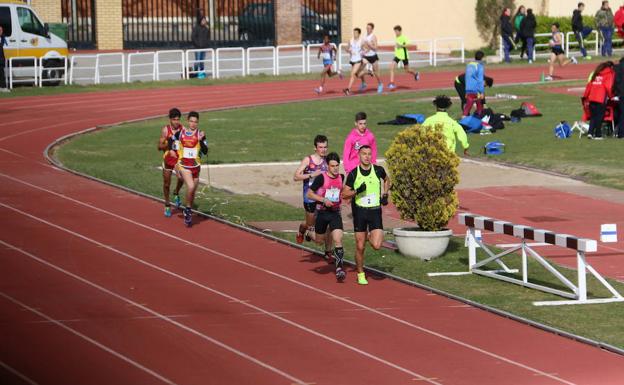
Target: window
29, 22
5, 20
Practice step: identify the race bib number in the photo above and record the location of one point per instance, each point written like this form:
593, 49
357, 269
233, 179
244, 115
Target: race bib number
333, 194
369, 199
326, 56
189, 153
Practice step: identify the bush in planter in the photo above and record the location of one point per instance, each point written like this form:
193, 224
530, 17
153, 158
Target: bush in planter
424, 174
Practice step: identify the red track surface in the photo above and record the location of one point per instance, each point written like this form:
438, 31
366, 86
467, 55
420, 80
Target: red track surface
97, 287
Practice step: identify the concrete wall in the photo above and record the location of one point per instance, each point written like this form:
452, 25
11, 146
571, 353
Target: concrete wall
109, 33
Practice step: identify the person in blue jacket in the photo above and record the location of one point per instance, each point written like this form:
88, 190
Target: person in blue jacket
475, 84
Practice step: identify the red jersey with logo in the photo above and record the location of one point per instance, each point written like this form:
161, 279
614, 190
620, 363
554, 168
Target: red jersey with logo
170, 157
188, 153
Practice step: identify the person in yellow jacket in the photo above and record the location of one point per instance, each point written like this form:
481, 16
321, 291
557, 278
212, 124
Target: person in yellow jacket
452, 130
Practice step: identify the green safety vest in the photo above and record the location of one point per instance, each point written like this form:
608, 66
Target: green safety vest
372, 196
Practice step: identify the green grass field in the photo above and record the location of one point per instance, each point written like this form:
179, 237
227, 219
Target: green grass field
285, 132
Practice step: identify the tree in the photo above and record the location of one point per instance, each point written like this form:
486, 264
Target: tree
488, 14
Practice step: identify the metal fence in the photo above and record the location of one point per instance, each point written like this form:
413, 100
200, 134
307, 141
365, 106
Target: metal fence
319, 17
170, 23
214, 63
79, 15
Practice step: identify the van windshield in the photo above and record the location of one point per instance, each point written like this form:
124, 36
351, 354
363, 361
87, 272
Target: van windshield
29, 22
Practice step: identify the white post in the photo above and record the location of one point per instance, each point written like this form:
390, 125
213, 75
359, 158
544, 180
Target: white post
472, 249
463, 51
525, 266
435, 53
97, 69
582, 275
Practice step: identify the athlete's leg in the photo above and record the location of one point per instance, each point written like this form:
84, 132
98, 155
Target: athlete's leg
354, 71
360, 244
551, 64
166, 185
375, 238
187, 176
195, 184
393, 65
176, 192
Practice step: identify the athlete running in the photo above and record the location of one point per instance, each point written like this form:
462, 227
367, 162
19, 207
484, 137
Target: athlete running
370, 61
355, 59
401, 55
168, 145
192, 143
364, 184
310, 167
328, 51
359, 136
326, 190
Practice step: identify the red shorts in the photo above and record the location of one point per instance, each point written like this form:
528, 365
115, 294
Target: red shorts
194, 171
169, 163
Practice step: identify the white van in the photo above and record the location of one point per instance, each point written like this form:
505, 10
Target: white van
26, 35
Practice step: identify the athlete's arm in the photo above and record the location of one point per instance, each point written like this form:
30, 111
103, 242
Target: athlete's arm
311, 194
373, 44
299, 175
162, 141
347, 190
203, 143
318, 55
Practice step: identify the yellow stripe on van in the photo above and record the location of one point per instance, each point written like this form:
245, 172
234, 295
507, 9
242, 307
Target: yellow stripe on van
36, 52
20, 2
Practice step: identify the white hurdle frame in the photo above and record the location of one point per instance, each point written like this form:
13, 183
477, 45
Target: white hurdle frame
290, 47
64, 68
218, 60
190, 63
33, 80
578, 292
249, 59
153, 64
121, 64
181, 62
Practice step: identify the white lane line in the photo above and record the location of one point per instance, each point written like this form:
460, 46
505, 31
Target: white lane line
296, 282
150, 311
109, 319
18, 374
77, 333
231, 298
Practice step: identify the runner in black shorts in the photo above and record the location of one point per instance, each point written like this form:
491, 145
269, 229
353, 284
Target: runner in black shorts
558, 54
364, 185
326, 190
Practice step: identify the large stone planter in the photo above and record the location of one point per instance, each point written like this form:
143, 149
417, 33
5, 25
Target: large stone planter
426, 245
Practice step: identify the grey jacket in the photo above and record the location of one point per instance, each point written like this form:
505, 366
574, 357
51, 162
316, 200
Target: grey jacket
200, 36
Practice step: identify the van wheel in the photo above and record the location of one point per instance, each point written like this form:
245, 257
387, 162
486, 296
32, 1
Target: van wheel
51, 72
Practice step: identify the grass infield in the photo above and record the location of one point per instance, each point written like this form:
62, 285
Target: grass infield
127, 155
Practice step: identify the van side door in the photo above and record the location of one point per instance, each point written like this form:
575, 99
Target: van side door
32, 39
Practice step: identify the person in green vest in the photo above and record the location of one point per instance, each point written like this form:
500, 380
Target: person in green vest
401, 55
367, 185
517, 20
452, 130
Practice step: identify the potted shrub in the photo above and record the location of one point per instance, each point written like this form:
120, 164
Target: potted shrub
424, 174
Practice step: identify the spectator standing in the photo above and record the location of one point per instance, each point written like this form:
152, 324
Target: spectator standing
580, 31
527, 27
604, 22
517, 20
475, 87
3, 42
201, 40
506, 33
598, 92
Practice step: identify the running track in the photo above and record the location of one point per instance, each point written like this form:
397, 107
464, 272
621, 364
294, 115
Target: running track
97, 287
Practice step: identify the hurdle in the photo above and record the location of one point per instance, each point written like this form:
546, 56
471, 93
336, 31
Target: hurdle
578, 292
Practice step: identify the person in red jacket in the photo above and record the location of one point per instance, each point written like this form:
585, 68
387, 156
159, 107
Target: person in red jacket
598, 92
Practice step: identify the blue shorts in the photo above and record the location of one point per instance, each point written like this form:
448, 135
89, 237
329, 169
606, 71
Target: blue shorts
327, 63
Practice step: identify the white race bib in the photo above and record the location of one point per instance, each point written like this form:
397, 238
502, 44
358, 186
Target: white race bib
369, 199
189, 153
333, 194
326, 56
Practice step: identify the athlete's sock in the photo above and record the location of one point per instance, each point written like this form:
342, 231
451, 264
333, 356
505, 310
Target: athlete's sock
339, 254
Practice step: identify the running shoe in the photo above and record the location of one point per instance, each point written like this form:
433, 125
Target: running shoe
177, 201
188, 218
363, 86
587, 57
302, 230
598, 138
391, 86
361, 279
340, 274
167, 211
318, 90
380, 88
417, 76
548, 78
346, 91
574, 61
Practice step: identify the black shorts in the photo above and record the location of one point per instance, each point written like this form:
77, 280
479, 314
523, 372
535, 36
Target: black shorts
371, 59
366, 219
355, 62
405, 61
309, 207
557, 51
327, 218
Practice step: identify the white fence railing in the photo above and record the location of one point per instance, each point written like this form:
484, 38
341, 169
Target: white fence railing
571, 41
47, 69
237, 61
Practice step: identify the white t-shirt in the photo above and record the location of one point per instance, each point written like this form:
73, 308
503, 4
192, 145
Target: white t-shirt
356, 50
369, 40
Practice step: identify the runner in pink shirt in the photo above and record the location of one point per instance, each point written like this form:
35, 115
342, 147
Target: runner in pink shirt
358, 137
